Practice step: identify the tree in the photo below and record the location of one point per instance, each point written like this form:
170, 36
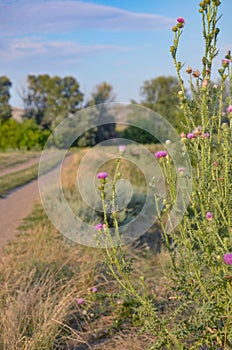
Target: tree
51, 99
5, 108
161, 95
102, 94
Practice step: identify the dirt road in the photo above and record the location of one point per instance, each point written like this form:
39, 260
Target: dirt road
14, 208
18, 205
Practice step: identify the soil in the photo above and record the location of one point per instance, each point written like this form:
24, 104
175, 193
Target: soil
14, 208
18, 205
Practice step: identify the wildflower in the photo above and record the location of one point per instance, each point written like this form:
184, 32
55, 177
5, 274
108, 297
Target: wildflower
225, 125
94, 289
102, 175
217, 2
181, 170
168, 142
215, 86
209, 216
189, 70
229, 109
190, 136
215, 164
161, 154
99, 227
225, 62
196, 73
197, 131
80, 301
228, 258
206, 135
182, 135
122, 148
180, 20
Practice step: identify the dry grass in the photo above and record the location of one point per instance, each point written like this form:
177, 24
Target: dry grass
42, 276
10, 159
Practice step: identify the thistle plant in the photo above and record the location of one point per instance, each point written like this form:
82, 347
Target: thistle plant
200, 246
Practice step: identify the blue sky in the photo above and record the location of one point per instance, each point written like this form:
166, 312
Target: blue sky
121, 42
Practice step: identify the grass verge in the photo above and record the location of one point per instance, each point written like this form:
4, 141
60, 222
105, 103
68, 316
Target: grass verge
10, 159
10, 181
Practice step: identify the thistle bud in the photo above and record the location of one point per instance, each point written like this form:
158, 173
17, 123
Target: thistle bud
189, 70
196, 73
225, 62
180, 25
224, 125
216, 2
228, 55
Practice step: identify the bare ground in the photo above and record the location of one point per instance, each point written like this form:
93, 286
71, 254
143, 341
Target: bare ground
18, 205
14, 208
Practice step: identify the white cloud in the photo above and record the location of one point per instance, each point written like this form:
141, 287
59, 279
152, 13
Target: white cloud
25, 16
33, 47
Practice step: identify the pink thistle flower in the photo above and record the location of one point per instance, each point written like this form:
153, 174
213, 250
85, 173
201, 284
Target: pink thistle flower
229, 109
122, 148
228, 258
94, 289
102, 175
190, 136
215, 164
161, 154
225, 62
209, 216
80, 301
182, 135
180, 20
99, 227
206, 135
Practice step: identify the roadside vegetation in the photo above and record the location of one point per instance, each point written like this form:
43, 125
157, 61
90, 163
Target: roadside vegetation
13, 158
59, 295
15, 179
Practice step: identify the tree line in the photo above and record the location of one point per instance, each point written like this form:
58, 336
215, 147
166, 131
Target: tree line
48, 100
